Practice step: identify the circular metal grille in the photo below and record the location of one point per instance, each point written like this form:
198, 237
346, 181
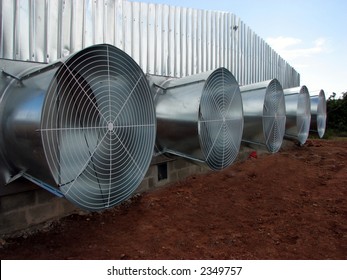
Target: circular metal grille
98, 127
321, 114
220, 119
274, 116
303, 117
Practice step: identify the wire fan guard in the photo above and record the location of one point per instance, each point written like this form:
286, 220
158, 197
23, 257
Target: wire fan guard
200, 118
303, 114
98, 127
318, 113
274, 116
321, 114
220, 119
298, 113
264, 113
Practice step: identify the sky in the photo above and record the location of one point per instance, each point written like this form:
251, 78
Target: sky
311, 35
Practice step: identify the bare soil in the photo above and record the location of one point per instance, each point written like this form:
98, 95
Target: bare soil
289, 205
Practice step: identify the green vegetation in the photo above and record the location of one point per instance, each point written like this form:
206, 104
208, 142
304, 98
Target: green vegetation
337, 116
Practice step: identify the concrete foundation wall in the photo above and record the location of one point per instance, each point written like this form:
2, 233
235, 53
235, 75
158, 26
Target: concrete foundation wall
23, 205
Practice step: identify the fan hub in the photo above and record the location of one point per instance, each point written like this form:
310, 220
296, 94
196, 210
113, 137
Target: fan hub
110, 126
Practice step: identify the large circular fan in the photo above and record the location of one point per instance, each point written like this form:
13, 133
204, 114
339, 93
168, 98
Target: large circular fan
274, 116
220, 119
98, 127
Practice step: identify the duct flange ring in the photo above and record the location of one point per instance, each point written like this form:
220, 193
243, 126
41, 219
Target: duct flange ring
264, 113
98, 127
318, 113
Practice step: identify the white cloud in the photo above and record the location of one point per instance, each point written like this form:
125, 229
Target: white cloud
281, 43
293, 48
319, 64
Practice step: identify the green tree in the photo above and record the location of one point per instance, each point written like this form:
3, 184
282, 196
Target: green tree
337, 114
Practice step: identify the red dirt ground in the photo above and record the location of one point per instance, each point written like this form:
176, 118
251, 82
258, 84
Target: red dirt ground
290, 205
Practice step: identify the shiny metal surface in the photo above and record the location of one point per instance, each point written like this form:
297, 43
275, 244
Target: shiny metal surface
200, 117
298, 113
85, 125
318, 113
162, 39
264, 114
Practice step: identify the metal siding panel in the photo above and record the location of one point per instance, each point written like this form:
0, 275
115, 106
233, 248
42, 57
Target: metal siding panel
143, 44
98, 34
53, 31
249, 49
88, 37
135, 34
243, 54
77, 25
203, 41
110, 22
178, 55
171, 42
188, 45
237, 60
218, 36
127, 27
224, 40
228, 50
158, 41
65, 47
183, 44
164, 40
151, 42
199, 28
22, 31
194, 42
208, 41
214, 53
233, 46
118, 14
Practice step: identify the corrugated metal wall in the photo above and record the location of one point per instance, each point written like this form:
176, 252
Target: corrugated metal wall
164, 40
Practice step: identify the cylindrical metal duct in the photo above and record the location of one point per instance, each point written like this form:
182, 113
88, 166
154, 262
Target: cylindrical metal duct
264, 114
318, 113
84, 126
298, 113
200, 117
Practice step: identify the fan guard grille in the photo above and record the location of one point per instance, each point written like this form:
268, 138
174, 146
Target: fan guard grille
220, 119
303, 114
98, 127
274, 116
321, 114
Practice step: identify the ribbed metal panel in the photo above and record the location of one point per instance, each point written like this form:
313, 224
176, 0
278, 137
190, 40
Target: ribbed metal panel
163, 40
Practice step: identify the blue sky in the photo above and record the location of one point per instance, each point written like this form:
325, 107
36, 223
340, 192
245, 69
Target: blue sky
311, 35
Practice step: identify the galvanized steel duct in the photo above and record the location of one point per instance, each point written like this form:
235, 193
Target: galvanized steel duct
298, 113
264, 114
83, 127
318, 113
200, 117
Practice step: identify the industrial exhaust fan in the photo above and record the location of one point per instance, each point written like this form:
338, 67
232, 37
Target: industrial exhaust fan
83, 127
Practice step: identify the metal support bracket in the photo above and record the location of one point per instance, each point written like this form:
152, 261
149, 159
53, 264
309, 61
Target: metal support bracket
43, 185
